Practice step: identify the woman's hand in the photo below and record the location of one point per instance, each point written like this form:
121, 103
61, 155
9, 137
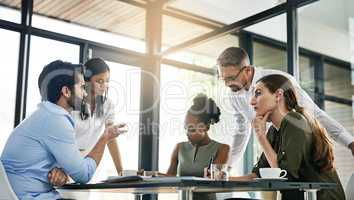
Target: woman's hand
206, 172
259, 125
57, 177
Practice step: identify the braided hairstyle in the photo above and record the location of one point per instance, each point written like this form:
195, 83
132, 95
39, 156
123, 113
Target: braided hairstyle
323, 151
205, 109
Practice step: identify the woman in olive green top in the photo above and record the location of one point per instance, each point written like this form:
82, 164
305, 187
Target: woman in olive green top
192, 157
295, 142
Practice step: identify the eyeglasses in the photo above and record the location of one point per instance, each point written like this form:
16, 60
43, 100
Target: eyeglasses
233, 78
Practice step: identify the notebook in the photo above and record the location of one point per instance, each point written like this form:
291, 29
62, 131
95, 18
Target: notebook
120, 179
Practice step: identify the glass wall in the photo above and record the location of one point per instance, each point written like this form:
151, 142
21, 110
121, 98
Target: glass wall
10, 11
325, 30
9, 50
97, 21
344, 161
204, 54
44, 51
307, 75
178, 88
338, 81
269, 57
124, 91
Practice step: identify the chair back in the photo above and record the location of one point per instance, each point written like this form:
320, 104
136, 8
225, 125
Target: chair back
349, 191
6, 192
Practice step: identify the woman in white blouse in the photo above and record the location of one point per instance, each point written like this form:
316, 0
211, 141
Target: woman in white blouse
99, 115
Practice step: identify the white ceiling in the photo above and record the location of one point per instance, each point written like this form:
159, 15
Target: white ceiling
327, 20
334, 13
226, 11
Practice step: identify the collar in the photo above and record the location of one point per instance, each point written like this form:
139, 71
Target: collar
256, 77
55, 109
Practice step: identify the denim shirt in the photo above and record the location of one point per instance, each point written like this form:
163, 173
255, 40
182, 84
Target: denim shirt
41, 142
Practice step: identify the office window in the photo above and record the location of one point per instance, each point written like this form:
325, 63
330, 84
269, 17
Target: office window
178, 88
307, 75
10, 11
9, 58
44, 51
204, 54
344, 115
269, 57
338, 81
124, 91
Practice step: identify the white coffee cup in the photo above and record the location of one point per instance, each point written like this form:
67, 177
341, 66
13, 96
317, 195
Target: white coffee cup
272, 173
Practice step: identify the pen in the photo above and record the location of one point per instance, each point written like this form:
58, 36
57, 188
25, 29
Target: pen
210, 162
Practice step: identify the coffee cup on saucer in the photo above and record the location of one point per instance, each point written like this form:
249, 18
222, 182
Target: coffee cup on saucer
272, 173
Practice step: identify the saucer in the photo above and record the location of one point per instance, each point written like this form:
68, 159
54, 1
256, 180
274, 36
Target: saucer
271, 179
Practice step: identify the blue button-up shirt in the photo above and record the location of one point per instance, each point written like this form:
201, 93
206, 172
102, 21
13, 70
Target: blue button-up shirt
41, 142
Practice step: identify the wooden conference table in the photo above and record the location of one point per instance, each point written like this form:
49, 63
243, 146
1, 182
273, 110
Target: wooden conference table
186, 186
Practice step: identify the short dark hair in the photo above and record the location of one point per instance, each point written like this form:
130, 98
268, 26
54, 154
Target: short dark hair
233, 56
55, 76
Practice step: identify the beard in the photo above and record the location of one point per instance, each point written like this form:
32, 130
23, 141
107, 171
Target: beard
76, 103
236, 87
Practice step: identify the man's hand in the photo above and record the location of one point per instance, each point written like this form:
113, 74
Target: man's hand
113, 131
57, 177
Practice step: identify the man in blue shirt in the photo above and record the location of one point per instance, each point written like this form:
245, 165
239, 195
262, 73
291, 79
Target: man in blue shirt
45, 140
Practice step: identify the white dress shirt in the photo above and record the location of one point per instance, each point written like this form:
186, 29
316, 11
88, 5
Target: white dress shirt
244, 114
89, 131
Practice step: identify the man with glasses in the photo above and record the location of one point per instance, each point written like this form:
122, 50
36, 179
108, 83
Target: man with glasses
235, 70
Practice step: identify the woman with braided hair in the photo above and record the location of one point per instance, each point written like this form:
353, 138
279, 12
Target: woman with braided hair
192, 157
295, 142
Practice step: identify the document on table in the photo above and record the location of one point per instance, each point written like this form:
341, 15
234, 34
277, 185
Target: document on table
160, 179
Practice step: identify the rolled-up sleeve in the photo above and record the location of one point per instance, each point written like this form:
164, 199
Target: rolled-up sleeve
60, 142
